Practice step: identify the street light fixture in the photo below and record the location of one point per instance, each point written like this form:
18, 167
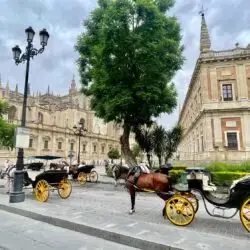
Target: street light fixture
79, 131
17, 195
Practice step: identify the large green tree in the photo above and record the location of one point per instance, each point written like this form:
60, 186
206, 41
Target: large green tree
128, 53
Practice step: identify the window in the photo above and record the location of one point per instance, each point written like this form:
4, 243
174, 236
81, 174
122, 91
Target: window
227, 92
72, 146
94, 148
202, 144
103, 148
59, 145
232, 142
84, 148
46, 144
31, 143
40, 117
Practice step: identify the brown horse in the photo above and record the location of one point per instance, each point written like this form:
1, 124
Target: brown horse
155, 182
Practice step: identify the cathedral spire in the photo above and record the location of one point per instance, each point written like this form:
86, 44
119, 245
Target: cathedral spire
16, 89
205, 43
48, 91
72, 88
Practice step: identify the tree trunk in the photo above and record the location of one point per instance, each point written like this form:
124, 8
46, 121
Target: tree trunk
159, 158
127, 153
149, 160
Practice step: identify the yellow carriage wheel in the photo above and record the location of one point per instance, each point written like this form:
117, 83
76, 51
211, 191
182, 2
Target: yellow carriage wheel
64, 188
179, 210
93, 176
245, 214
82, 178
193, 199
42, 191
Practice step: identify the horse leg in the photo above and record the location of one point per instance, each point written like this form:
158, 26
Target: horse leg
164, 211
115, 182
132, 197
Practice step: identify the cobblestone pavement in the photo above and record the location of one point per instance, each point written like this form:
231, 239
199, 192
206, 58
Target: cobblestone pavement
105, 200
18, 233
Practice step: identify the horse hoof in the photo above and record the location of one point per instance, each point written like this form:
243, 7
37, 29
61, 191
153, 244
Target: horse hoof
131, 211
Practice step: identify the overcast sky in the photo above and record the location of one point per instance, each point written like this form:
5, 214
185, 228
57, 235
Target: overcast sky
228, 22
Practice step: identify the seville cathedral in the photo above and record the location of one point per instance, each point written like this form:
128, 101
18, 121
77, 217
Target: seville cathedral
216, 111
50, 120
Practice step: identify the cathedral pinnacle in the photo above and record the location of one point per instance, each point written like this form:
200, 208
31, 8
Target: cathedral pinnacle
16, 89
0, 81
205, 43
72, 88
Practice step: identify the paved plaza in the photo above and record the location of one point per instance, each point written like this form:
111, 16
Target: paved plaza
106, 207
18, 233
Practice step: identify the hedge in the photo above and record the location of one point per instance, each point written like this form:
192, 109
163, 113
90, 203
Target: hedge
223, 178
226, 178
229, 167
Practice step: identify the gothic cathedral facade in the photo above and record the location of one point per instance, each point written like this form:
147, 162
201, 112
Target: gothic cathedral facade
50, 120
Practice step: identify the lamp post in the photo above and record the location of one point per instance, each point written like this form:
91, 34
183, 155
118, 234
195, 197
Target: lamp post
17, 195
79, 131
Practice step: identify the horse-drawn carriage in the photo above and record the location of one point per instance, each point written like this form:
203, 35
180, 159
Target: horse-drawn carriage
84, 173
181, 211
47, 181
181, 202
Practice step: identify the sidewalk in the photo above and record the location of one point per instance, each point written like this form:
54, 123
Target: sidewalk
104, 214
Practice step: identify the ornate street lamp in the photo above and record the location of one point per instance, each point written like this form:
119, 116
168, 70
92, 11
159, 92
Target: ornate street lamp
79, 131
17, 195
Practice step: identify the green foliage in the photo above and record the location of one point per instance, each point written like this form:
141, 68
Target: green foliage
109, 172
179, 167
113, 153
3, 108
145, 138
7, 133
176, 176
130, 51
159, 140
136, 151
173, 138
226, 178
230, 167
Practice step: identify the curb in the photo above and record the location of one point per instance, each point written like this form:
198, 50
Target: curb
89, 230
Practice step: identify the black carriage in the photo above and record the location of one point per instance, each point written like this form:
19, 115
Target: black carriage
84, 173
182, 206
47, 181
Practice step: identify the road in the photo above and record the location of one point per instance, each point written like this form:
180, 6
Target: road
21, 233
108, 206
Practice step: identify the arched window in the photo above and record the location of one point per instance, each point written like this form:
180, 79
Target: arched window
12, 114
40, 117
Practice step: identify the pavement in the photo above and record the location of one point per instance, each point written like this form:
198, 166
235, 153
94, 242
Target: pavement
19, 233
101, 210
